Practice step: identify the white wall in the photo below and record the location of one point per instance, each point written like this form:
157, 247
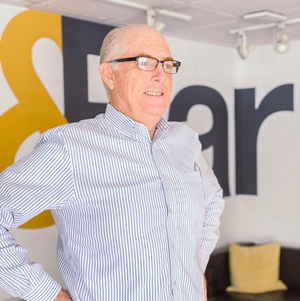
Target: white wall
271, 215
274, 214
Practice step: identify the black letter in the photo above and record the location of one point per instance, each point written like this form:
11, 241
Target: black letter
218, 136
80, 38
248, 121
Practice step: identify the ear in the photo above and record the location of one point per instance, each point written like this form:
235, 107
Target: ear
106, 72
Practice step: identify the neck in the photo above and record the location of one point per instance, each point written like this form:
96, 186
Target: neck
149, 121
152, 132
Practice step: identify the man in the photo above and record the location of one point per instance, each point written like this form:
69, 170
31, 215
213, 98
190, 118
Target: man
136, 206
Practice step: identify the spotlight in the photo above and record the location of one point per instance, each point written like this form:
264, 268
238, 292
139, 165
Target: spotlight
243, 48
281, 38
281, 33
159, 26
151, 14
150, 17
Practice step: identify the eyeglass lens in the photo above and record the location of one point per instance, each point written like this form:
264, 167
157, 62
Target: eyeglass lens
149, 64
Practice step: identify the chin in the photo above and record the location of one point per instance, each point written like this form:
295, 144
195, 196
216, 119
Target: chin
157, 111
155, 107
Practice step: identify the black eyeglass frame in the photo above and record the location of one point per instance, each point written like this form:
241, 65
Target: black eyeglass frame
135, 58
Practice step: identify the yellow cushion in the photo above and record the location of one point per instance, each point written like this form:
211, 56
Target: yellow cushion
255, 269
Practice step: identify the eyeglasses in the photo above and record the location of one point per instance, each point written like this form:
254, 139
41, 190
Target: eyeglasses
150, 63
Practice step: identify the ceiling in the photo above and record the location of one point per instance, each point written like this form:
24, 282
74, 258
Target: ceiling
210, 23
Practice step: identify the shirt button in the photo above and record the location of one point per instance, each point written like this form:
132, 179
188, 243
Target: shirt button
170, 210
175, 282
132, 137
173, 246
163, 175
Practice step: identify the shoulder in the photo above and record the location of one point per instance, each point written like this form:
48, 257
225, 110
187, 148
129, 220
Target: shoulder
183, 135
59, 133
180, 128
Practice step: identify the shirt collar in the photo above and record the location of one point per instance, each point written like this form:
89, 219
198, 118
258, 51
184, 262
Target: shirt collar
128, 126
163, 124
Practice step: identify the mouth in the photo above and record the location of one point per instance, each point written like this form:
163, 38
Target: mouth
151, 93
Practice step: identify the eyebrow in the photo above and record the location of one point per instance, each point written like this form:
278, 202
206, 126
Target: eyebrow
169, 58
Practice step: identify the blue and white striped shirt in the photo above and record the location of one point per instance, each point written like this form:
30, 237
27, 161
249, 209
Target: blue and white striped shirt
137, 219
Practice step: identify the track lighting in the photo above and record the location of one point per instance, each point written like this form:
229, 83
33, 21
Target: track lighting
281, 39
150, 17
151, 13
283, 45
159, 26
243, 48
280, 33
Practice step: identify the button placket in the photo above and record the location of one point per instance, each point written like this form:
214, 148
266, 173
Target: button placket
171, 224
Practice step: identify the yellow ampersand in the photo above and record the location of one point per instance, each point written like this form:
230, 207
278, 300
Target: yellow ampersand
35, 111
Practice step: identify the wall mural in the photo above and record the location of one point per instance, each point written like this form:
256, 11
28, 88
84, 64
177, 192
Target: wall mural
36, 110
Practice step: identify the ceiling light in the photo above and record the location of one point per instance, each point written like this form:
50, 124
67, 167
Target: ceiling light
265, 15
151, 13
280, 33
164, 12
159, 26
130, 4
281, 38
283, 45
173, 14
243, 49
150, 17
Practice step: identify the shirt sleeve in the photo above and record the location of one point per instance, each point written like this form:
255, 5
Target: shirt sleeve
214, 206
40, 181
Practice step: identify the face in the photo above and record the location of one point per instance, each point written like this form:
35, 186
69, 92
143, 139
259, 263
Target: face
131, 93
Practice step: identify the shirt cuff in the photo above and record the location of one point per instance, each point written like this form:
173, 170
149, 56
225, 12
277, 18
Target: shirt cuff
46, 290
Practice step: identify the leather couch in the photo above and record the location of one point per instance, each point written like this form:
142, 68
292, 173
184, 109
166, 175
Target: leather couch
218, 278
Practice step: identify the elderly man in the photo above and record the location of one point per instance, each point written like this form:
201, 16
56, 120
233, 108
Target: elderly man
136, 206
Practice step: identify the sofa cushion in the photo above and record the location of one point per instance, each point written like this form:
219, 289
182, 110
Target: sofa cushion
255, 269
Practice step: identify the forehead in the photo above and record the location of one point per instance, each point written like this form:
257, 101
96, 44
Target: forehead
148, 42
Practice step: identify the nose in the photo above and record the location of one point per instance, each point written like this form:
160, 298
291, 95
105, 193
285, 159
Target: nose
159, 75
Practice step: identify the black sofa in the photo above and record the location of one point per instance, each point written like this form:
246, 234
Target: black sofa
218, 278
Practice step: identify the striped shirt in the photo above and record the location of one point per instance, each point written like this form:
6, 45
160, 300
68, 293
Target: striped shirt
137, 219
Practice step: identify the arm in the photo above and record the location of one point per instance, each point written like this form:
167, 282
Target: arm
63, 296
42, 180
214, 205
205, 288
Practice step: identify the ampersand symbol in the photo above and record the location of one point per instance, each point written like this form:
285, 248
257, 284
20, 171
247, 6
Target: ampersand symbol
36, 110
